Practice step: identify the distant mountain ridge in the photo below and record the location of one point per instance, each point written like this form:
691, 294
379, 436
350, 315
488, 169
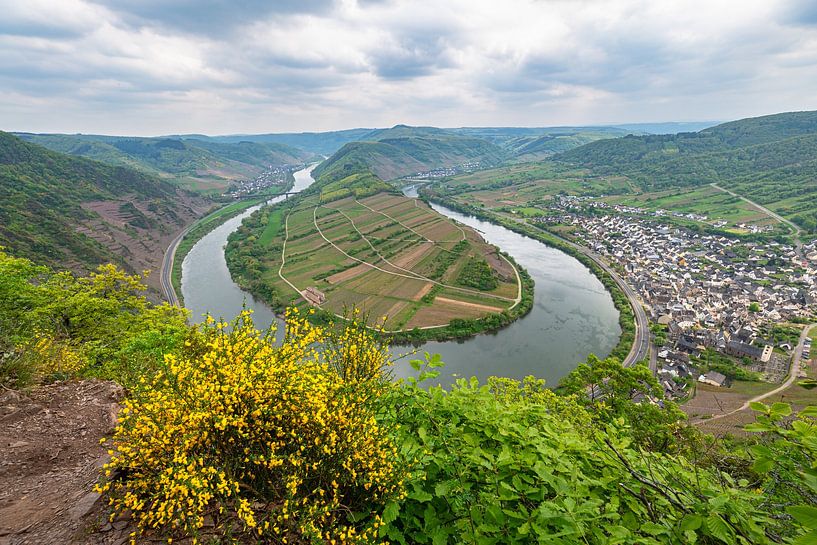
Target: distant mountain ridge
401, 150
75, 213
194, 164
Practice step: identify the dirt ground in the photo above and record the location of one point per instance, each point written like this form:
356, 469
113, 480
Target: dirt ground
50, 456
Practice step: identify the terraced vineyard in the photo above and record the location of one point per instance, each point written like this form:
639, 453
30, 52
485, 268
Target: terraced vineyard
386, 254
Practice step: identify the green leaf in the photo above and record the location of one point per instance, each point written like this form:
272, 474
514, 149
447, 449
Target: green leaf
416, 364
691, 522
495, 514
781, 409
759, 427
442, 488
763, 465
719, 528
440, 536
420, 495
759, 407
804, 514
653, 529
390, 512
760, 451
811, 411
507, 492
719, 501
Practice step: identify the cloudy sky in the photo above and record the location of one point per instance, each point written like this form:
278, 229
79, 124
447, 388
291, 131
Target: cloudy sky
147, 67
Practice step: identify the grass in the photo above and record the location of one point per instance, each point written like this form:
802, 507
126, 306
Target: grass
526, 185
273, 227
750, 388
705, 201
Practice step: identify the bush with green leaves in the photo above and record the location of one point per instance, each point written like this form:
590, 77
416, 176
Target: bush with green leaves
503, 464
785, 458
104, 318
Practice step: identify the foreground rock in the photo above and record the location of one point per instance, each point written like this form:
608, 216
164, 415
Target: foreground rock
50, 456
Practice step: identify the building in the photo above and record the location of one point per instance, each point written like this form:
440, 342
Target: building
743, 350
714, 378
314, 296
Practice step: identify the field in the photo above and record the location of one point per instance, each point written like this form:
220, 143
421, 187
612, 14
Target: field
705, 201
527, 184
390, 256
527, 190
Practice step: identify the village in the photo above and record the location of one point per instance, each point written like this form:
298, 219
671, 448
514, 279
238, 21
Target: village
444, 172
718, 305
272, 176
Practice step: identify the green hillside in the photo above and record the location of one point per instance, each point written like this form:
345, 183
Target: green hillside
770, 159
402, 150
194, 164
71, 212
321, 143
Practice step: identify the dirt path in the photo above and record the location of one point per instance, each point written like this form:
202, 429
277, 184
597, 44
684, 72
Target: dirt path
50, 457
411, 274
467, 304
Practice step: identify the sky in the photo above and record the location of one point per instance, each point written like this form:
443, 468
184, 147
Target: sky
151, 67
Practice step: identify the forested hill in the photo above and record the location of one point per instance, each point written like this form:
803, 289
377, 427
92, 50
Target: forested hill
721, 153
192, 163
771, 160
400, 151
75, 213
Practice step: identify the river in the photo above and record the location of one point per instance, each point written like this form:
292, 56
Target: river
572, 316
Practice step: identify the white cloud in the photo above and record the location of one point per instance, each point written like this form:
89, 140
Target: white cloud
164, 67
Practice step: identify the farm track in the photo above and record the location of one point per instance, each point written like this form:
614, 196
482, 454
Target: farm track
415, 276
411, 274
794, 373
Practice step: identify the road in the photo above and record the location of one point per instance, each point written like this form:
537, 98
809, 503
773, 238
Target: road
794, 372
778, 217
167, 268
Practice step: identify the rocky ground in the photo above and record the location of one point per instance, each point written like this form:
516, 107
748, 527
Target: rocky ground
50, 456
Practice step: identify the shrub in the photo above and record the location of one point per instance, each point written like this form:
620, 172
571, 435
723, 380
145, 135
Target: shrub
281, 443
55, 324
504, 464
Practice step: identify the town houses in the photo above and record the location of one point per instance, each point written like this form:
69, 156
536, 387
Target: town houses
707, 291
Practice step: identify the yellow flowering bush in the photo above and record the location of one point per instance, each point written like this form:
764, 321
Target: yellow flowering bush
277, 444
53, 358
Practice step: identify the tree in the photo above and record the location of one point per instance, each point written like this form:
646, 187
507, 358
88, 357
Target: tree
610, 391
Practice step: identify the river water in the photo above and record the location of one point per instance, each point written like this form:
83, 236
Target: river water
572, 316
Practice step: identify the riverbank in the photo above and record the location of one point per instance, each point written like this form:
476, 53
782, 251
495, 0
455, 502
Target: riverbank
630, 344
206, 224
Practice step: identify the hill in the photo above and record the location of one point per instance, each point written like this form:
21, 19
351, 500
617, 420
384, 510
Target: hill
327, 143
400, 151
770, 159
321, 143
201, 165
353, 241
75, 213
